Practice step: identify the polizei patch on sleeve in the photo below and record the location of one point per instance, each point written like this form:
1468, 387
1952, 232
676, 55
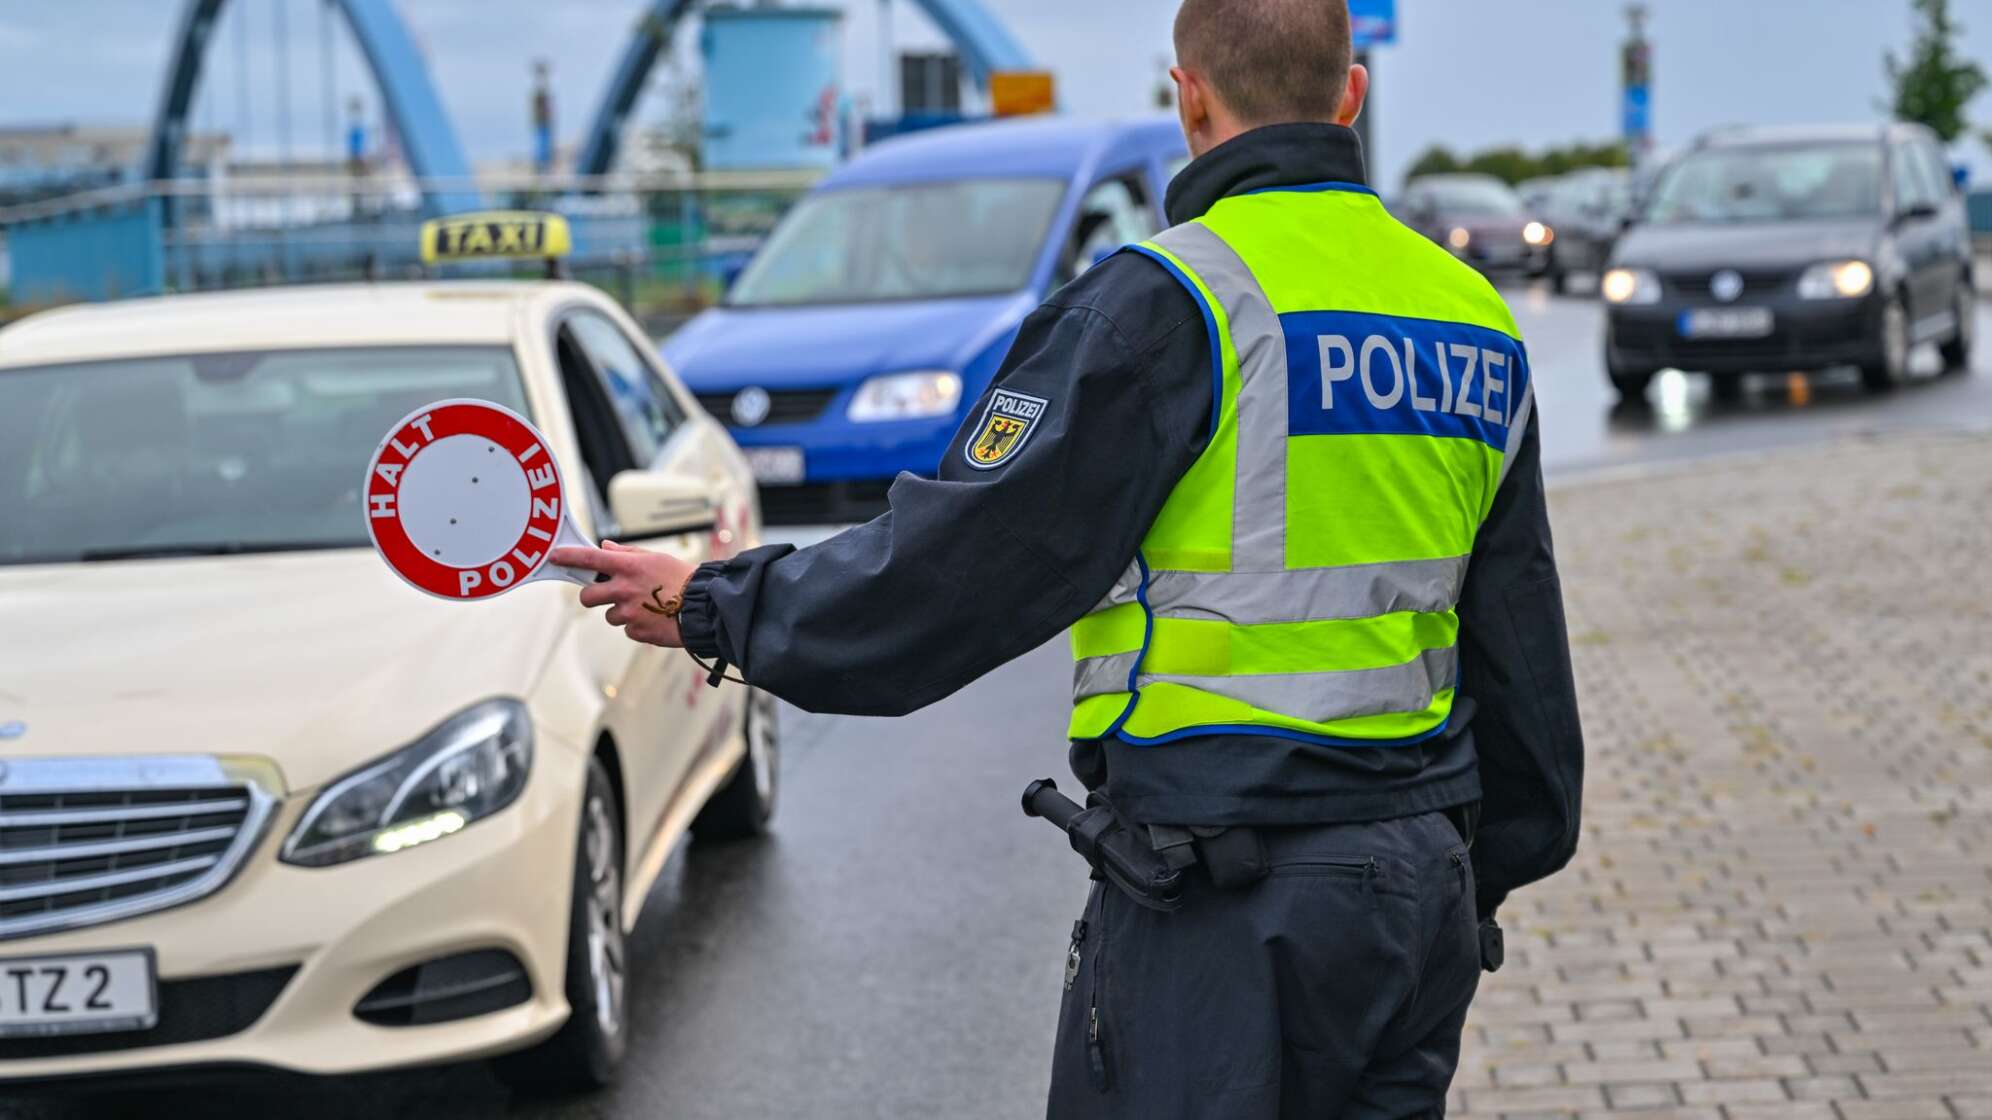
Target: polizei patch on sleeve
1005, 425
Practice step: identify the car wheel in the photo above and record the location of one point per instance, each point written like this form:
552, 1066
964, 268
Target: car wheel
1888, 367
1957, 352
1630, 383
746, 803
586, 1051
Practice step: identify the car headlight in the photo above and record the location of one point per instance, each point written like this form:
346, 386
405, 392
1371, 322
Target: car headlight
1459, 238
470, 766
1537, 234
1836, 280
907, 396
1630, 285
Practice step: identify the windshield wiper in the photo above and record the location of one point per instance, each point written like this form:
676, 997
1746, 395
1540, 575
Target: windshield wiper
214, 548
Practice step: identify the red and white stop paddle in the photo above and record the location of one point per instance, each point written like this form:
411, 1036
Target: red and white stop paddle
464, 501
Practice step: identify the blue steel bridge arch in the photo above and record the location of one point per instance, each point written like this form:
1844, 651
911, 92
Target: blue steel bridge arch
428, 142
986, 47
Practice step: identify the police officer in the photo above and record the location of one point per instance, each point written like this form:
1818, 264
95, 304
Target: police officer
1277, 471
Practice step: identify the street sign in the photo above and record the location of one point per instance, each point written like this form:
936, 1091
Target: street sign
464, 502
1372, 22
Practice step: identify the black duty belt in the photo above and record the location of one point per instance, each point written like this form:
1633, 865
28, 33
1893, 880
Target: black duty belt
1149, 864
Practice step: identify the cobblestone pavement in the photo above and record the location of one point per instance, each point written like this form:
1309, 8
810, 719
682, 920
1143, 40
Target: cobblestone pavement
1782, 906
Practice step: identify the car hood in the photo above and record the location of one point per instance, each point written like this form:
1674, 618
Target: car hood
795, 347
319, 661
1696, 246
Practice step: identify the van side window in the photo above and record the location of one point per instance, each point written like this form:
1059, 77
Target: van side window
1114, 213
1913, 187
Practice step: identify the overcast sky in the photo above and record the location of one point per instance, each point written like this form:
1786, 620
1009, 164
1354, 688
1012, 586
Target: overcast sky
1466, 73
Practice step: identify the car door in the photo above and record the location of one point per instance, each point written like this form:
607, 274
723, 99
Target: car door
1919, 237
626, 419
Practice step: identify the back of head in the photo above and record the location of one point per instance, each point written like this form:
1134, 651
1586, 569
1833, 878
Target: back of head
1270, 61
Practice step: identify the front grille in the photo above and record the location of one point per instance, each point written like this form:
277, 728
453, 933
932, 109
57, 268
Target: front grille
825, 503
89, 841
191, 1010
1695, 285
785, 406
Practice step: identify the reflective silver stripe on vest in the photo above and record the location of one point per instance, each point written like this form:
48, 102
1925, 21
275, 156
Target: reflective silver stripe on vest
1518, 422
1324, 697
1258, 508
1096, 676
1309, 594
1300, 595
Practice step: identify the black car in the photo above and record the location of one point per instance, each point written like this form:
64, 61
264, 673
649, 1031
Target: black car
1480, 218
1585, 211
1773, 250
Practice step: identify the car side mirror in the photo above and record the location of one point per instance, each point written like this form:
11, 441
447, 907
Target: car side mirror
649, 503
1915, 212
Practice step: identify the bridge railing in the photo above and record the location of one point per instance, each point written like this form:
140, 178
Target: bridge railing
663, 244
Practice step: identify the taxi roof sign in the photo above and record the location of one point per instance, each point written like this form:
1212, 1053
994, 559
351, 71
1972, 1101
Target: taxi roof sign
496, 235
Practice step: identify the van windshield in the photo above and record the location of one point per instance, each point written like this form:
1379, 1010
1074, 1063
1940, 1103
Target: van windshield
1783, 183
912, 241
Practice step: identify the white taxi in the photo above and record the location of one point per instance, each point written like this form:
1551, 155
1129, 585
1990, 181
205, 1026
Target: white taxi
261, 803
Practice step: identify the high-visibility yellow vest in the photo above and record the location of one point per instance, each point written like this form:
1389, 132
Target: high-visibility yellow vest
1369, 391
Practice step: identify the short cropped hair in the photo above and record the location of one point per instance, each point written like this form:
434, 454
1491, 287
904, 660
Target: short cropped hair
1271, 61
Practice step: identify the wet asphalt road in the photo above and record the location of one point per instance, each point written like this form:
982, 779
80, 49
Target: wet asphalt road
895, 948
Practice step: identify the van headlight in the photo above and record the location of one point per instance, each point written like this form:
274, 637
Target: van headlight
470, 766
1836, 280
1630, 285
907, 396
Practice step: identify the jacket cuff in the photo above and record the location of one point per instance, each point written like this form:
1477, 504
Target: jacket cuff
698, 622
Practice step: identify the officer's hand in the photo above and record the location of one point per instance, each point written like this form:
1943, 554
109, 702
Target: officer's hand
639, 586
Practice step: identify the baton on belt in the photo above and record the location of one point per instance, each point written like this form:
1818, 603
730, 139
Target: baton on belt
1115, 852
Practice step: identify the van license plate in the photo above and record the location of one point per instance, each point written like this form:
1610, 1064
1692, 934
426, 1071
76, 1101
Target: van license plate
1726, 322
775, 466
78, 993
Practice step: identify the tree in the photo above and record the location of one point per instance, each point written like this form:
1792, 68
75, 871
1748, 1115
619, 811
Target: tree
1934, 85
1437, 160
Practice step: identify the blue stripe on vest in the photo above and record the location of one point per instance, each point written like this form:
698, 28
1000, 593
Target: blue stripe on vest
1355, 373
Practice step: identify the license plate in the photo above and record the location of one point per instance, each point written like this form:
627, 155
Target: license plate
78, 993
1726, 322
775, 466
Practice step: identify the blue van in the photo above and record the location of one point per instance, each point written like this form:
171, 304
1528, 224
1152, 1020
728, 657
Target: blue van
879, 308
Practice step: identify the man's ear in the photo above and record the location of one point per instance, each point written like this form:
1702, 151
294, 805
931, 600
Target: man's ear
1354, 92
1192, 106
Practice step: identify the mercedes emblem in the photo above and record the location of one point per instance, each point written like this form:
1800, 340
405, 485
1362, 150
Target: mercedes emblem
1726, 285
751, 406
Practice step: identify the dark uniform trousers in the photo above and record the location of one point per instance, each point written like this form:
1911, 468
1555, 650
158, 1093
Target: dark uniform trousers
1336, 986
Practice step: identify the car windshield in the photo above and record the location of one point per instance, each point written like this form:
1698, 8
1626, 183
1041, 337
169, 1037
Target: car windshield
916, 241
1771, 184
212, 454
1471, 197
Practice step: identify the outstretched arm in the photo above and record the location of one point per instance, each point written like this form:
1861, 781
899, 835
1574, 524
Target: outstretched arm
988, 560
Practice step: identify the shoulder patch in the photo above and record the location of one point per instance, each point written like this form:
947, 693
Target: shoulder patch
1005, 425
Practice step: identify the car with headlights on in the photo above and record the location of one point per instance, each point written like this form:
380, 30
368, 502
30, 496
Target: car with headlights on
261, 803
1587, 209
1481, 219
881, 305
1793, 250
